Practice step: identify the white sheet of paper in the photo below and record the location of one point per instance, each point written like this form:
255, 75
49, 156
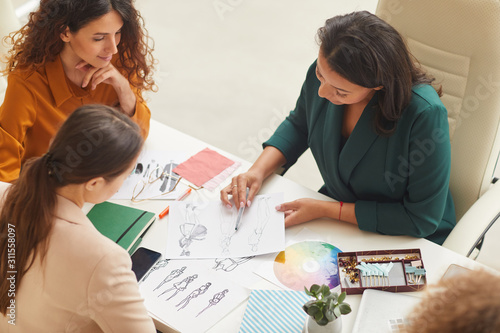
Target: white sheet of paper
208, 230
150, 165
188, 296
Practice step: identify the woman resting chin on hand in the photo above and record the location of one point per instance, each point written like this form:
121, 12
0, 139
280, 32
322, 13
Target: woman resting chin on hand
71, 53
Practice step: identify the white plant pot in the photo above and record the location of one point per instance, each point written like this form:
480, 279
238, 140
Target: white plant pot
332, 327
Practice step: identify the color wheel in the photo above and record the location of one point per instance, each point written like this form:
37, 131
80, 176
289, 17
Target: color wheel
306, 263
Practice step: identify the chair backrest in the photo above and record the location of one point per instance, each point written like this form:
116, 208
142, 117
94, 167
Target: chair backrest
491, 246
480, 225
458, 42
8, 24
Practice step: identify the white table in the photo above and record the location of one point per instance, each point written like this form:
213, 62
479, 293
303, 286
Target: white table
346, 236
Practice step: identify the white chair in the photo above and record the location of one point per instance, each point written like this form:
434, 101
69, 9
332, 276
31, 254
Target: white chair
480, 226
8, 24
458, 42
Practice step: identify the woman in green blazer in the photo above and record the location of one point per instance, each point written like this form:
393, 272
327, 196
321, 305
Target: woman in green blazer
377, 130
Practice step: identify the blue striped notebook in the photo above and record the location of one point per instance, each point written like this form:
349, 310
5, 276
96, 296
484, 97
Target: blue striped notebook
274, 311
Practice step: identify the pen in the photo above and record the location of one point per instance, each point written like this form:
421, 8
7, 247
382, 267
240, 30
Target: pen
184, 195
240, 212
166, 210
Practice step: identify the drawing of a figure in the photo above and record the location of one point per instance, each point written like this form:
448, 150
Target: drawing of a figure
138, 169
156, 171
227, 228
168, 177
160, 264
180, 286
263, 215
229, 264
214, 300
195, 293
173, 274
191, 229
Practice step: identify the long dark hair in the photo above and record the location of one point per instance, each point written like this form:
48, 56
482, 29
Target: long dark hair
39, 40
95, 141
369, 52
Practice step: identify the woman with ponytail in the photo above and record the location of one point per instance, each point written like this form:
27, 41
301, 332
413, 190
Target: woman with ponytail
62, 275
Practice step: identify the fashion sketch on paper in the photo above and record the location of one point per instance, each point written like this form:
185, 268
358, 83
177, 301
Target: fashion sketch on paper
192, 229
195, 293
229, 264
160, 264
263, 214
214, 300
228, 219
180, 286
173, 274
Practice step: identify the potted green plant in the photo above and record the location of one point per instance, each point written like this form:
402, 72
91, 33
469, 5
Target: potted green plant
324, 310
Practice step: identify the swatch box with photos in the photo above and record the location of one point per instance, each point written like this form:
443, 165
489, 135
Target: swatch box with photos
388, 270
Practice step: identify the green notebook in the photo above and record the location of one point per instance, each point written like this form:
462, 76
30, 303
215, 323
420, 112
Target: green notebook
122, 224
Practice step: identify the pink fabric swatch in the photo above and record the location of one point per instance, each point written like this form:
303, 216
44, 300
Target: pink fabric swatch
203, 166
212, 184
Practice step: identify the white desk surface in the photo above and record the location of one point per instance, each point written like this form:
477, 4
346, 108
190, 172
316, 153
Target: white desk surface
343, 235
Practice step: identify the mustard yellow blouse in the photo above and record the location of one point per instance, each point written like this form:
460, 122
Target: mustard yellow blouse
37, 103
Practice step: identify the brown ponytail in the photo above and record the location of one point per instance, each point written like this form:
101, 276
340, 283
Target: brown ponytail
95, 141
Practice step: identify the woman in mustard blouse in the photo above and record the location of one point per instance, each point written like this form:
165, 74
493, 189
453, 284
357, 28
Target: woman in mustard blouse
377, 130
71, 53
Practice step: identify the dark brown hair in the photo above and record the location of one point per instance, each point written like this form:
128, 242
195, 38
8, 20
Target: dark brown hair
369, 52
94, 141
39, 40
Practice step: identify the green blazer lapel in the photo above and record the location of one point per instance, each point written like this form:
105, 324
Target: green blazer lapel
329, 164
358, 143
330, 137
